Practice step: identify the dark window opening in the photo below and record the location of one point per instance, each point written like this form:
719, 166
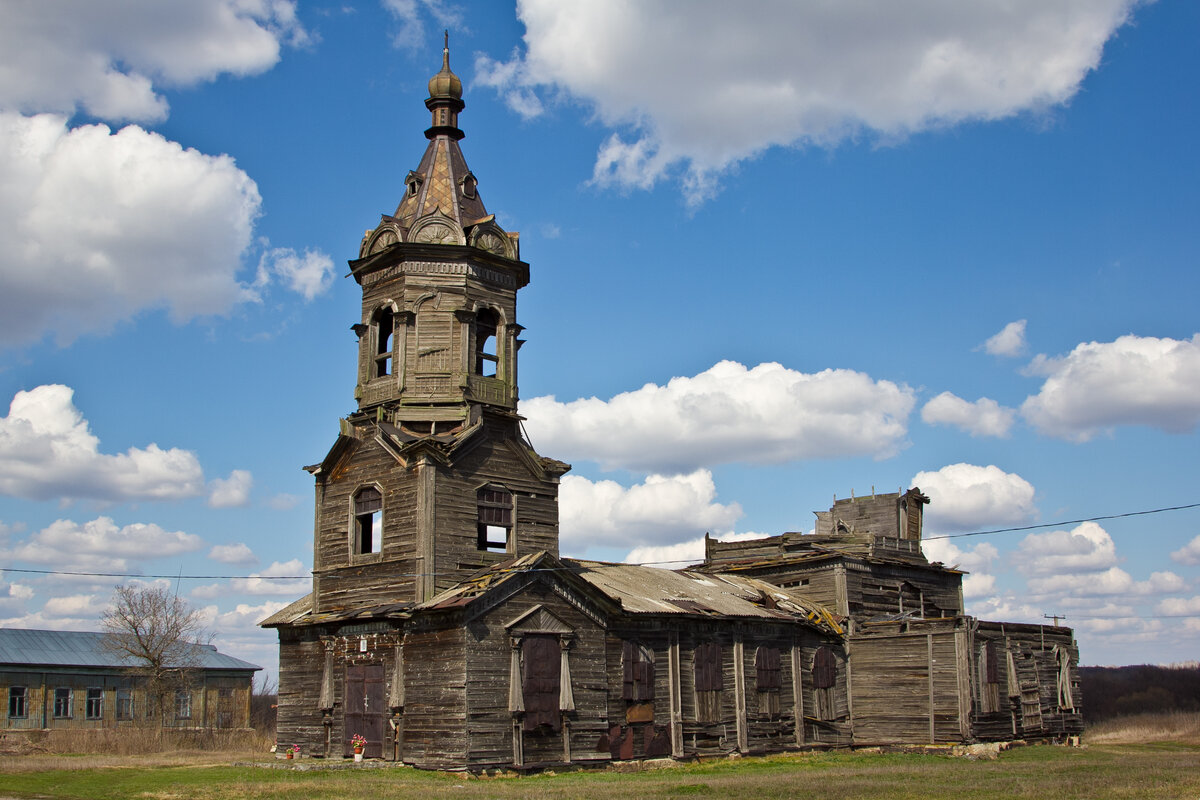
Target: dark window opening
709, 681
541, 672
495, 520
468, 185
384, 328
368, 521
124, 709
486, 358
62, 703
94, 708
18, 702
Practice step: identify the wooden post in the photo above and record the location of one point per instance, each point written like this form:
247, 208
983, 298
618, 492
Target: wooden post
739, 694
932, 728
798, 692
839, 583
962, 669
425, 514
675, 687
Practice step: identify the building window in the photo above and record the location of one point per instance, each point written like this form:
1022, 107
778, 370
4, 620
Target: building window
541, 670
638, 690
94, 707
224, 708
183, 704
709, 681
824, 672
989, 677
124, 708
769, 680
486, 358
495, 520
368, 521
385, 323
62, 703
18, 702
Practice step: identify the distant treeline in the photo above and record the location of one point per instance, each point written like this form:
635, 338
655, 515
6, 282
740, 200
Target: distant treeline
1117, 691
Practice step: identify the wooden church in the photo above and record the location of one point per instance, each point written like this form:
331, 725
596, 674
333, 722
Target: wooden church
445, 628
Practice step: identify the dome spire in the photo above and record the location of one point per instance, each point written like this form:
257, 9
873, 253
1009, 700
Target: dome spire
445, 99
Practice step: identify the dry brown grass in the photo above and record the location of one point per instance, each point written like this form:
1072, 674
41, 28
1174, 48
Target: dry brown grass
83, 749
1163, 726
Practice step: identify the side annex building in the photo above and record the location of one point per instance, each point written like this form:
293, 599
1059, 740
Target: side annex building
445, 627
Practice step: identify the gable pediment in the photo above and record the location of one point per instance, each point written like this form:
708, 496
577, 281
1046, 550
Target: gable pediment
538, 619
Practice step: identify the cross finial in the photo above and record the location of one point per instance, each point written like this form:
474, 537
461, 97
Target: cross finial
447, 42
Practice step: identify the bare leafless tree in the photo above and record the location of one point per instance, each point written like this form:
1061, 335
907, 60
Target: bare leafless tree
158, 635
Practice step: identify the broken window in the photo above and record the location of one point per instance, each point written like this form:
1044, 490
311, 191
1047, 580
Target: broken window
769, 679
709, 681
989, 677
368, 521
385, 323
18, 702
495, 519
124, 709
62, 703
824, 673
486, 358
541, 669
94, 707
638, 690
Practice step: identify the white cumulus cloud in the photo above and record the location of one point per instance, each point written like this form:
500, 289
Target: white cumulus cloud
231, 492
693, 88
1085, 548
105, 57
967, 496
237, 553
1188, 554
1009, 342
106, 209
1135, 380
100, 545
768, 414
309, 273
674, 556
984, 417
47, 451
660, 510
281, 578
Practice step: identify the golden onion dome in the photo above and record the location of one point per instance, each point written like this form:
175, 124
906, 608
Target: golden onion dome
445, 83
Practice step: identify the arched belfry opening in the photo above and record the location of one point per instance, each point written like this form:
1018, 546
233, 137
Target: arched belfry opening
487, 350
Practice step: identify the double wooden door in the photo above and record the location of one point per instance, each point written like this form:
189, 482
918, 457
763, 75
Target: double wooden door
366, 712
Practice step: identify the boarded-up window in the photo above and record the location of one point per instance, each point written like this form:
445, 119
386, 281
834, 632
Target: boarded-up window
989, 677
824, 673
1066, 691
769, 679
637, 662
709, 681
368, 521
495, 519
540, 671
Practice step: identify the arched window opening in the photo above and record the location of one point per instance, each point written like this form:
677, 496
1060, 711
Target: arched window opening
486, 358
368, 521
385, 324
495, 520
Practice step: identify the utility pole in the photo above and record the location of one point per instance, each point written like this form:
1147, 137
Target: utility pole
1055, 617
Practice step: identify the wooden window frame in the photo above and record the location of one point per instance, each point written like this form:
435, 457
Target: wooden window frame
364, 511
93, 705
383, 343
708, 672
183, 704
64, 702
496, 508
486, 327
123, 704
18, 702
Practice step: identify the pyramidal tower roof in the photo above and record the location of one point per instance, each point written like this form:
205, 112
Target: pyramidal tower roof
443, 182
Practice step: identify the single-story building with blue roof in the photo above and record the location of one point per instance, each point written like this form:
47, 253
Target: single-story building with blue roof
67, 679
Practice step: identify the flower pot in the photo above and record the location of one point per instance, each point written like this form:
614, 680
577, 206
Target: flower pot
357, 755
288, 756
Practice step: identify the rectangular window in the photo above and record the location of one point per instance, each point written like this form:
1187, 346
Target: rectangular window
124, 704
62, 703
824, 677
183, 704
989, 678
18, 702
709, 681
225, 708
94, 709
495, 520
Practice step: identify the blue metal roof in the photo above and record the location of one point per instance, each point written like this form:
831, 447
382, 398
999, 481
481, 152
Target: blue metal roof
83, 649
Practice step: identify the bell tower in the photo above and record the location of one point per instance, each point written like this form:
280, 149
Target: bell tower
431, 477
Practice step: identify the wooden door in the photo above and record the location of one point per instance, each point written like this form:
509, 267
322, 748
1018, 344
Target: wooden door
366, 713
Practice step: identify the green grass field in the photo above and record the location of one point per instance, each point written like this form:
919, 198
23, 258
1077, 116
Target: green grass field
1157, 766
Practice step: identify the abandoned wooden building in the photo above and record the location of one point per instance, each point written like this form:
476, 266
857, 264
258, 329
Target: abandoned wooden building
69, 679
445, 627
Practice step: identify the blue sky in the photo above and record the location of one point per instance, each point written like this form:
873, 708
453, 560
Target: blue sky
779, 253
